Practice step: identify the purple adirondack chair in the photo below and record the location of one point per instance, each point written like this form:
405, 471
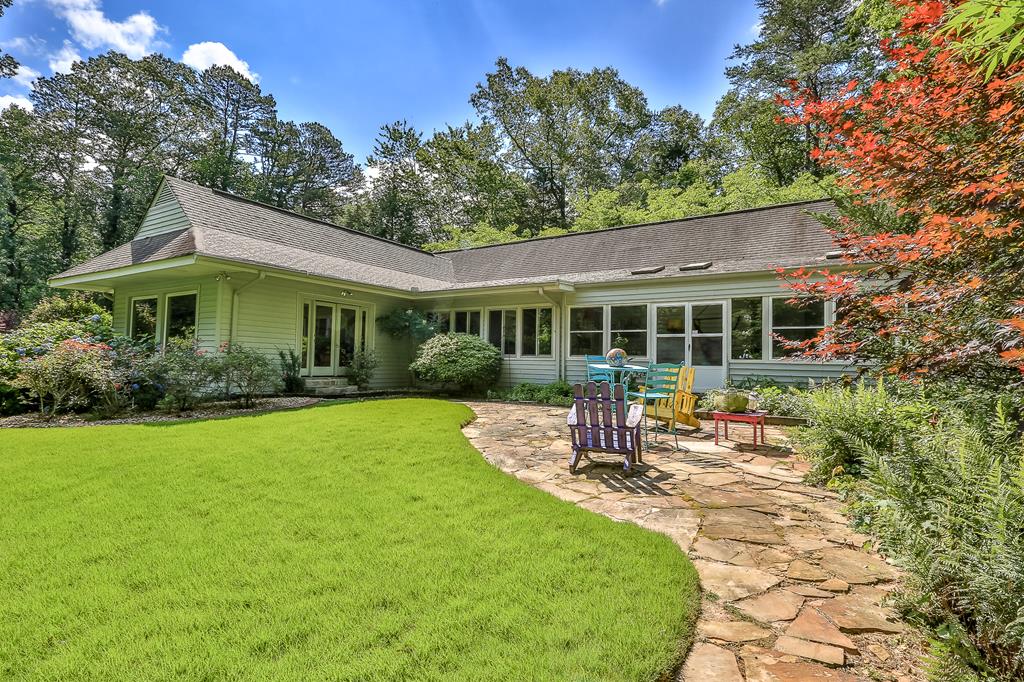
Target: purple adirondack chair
596, 426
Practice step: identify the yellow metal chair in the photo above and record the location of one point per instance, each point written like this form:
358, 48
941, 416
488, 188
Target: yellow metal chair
677, 407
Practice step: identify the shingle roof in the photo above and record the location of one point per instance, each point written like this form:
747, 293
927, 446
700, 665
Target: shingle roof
224, 226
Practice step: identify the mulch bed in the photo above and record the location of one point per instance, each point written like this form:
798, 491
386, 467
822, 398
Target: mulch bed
205, 411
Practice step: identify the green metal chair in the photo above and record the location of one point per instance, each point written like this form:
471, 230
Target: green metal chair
658, 396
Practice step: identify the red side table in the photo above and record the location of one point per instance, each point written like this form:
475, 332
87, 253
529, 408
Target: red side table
753, 418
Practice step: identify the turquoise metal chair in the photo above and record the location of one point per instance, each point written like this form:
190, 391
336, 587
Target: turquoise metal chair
598, 375
658, 395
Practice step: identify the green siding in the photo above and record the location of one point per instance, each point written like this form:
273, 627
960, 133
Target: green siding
268, 319
165, 215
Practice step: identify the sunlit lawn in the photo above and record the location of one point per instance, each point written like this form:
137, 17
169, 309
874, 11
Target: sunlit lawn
349, 542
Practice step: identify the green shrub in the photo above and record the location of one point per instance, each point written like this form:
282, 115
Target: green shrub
13, 399
557, 393
291, 371
39, 338
187, 372
947, 502
72, 307
842, 416
364, 364
408, 323
462, 360
247, 372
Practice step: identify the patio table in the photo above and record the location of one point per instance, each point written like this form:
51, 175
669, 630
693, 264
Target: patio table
755, 419
622, 373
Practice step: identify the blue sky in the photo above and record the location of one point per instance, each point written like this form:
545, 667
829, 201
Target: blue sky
356, 65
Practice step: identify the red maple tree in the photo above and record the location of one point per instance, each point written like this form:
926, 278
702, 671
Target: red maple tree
931, 162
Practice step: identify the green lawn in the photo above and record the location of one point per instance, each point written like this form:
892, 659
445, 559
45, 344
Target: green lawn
361, 541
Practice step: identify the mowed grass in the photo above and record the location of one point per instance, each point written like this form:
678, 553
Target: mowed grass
362, 541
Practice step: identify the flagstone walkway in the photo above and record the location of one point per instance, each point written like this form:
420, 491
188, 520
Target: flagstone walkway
790, 594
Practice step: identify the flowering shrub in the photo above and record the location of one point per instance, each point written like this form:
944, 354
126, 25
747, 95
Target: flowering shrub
462, 360
249, 372
68, 375
187, 372
63, 307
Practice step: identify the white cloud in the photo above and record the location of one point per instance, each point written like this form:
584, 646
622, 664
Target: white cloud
61, 61
25, 75
755, 30
203, 55
31, 46
20, 100
135, 36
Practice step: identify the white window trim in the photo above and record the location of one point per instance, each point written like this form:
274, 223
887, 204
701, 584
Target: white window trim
828, 313
605, 321
689, 333
131, 315
536, 338
647, 332
606, 326
765, 334
167, 311
451, 318
485, 330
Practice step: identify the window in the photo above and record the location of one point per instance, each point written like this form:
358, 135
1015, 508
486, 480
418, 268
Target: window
440, 322
467, 321
670, 326
304, 351
747, 328
181, 317
501, 330
795, 322
143, 319
629, 328
586, 331
707, 337
536, 332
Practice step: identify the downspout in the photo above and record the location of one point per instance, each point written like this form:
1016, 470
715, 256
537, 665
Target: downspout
555, 306
234, 305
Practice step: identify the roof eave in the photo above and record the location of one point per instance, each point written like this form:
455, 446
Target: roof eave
73, 281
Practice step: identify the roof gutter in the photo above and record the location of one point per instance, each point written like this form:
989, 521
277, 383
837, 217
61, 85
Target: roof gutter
559, 355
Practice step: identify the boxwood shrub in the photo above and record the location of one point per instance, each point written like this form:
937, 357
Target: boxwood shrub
462, 361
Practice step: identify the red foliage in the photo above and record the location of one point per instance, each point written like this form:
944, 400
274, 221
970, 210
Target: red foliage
942, 147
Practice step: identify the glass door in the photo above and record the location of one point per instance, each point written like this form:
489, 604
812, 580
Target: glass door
693, 334
707, 345
323, 339
330, 335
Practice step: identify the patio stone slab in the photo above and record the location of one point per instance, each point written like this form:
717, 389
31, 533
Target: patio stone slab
711, 662
733, 582
813, 626
773, 606
767, 547
825, 653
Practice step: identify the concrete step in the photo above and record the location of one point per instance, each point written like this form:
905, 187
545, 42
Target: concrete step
333, 391
325, 382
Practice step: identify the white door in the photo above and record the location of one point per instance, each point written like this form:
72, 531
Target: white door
334, 330
693, 334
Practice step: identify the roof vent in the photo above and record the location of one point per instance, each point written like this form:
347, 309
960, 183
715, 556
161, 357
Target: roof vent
647, 271
834, 255
703, 265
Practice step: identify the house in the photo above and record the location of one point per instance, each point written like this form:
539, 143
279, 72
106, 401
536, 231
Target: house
699, 290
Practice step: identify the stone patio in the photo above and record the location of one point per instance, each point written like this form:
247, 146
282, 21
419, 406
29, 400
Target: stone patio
789, 592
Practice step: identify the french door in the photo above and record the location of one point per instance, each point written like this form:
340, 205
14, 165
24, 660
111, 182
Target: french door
693, 334
330, 335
